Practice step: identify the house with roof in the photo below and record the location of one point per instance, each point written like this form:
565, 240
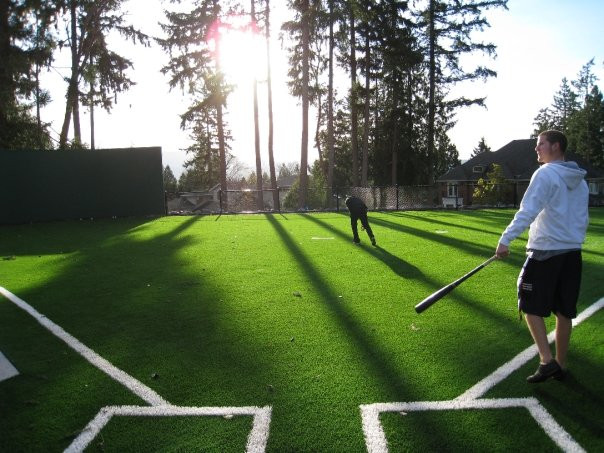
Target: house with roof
518, 161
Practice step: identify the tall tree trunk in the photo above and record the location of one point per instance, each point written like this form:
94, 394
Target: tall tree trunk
305, 78
75, 71
37, 77
38, 115
271, 159
330, 147
366, 114
92, 145
7, 85
219, 122
259, 197
72, 89
318, 126
432, 88
353, 101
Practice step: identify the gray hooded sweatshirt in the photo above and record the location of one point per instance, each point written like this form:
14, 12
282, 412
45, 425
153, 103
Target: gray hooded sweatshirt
555, 206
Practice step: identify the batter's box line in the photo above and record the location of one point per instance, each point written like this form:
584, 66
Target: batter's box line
257, 438
375, 438
256, 441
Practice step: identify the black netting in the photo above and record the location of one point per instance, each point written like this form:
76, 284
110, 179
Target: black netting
438, 196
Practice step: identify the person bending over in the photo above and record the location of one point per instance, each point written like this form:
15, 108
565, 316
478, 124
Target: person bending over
358, 211
555, 207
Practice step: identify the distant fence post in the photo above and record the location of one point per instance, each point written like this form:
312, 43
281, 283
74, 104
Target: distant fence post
220, 199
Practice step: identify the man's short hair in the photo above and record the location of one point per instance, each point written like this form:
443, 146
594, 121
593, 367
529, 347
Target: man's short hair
554, 136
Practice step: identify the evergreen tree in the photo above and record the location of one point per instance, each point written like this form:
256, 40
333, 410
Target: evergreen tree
565, 104
269, 83
26, 45
91, 57
449, 27
543, 121
302, 31
170, 183
193, 41
585, 81
482, 147
585, 130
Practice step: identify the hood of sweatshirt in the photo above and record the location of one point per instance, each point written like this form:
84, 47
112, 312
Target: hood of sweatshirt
570, 172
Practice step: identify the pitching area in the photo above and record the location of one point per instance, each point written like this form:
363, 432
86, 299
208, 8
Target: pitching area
375, 437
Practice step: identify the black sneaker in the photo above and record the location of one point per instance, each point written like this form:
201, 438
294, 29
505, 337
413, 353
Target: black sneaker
560, 375
544, 372
373, 241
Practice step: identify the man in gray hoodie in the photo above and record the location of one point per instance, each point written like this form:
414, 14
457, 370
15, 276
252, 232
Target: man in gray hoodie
555, 207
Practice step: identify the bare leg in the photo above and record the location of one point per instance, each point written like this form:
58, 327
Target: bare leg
536, 326
563, 329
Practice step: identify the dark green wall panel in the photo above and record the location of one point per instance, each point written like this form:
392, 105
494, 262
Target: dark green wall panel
38, 186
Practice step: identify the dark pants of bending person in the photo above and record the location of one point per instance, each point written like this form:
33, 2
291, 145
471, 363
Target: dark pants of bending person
358, 211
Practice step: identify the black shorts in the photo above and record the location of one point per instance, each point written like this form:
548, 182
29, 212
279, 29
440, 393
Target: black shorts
550, 286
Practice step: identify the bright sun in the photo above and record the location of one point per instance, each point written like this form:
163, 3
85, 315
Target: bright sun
242, 53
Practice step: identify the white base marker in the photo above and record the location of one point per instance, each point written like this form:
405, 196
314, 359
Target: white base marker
7, 370
135, 386
256, 442
375, 438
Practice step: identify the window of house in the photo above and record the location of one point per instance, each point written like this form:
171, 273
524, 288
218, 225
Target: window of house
478, 169
451, 190
593, 188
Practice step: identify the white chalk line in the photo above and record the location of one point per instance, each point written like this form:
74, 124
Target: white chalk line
256, 442
257, 438
375, 438
135, 386
376, 441
7, 370
508, 368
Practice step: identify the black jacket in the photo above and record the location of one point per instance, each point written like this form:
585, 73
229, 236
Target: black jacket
356, 206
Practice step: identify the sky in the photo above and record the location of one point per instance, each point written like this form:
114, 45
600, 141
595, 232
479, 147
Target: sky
539, 42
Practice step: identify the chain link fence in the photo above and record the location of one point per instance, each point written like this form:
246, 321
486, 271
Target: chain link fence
466, 195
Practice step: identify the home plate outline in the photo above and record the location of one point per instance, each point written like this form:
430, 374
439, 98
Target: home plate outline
375, 437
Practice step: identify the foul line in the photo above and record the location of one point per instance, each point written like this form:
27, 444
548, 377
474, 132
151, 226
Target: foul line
135, 386
257, 438
508, 368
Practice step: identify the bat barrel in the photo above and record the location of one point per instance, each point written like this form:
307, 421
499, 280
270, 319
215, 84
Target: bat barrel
437, 295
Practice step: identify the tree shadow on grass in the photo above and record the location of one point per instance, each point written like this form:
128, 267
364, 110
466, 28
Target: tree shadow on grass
143, 302
479, 250
446, 224
368, 346
399, 266
579, 399
407, 270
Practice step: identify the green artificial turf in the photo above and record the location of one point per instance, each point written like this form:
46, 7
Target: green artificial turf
282, 311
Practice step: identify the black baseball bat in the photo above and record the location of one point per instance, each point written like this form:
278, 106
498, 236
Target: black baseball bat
437, 295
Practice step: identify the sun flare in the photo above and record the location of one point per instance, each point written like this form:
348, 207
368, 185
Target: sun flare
242, 53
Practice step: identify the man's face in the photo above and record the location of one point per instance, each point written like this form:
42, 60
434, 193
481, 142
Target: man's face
546, 151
